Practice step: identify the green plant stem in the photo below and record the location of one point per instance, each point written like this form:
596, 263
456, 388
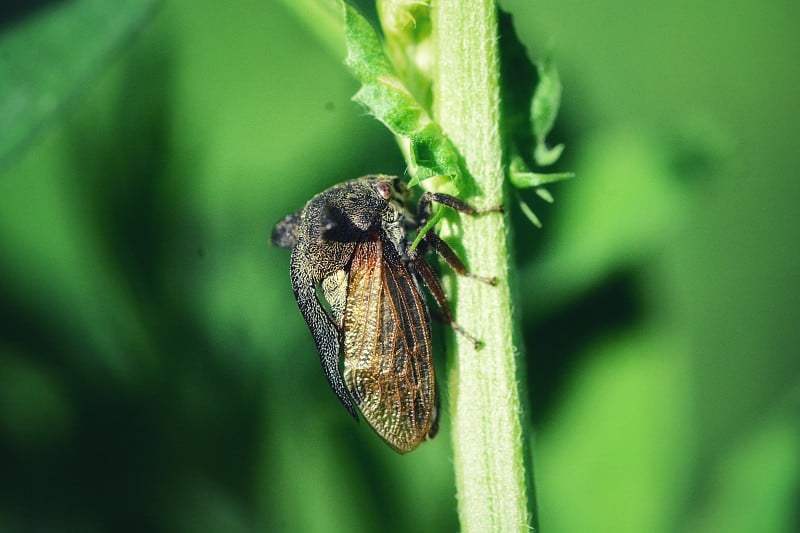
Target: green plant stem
489, 453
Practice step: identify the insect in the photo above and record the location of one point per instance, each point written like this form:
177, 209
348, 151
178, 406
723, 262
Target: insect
351, 242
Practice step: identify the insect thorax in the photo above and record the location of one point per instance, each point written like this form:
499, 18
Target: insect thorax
395, 222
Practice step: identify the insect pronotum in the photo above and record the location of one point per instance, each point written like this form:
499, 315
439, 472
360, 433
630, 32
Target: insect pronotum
351, 241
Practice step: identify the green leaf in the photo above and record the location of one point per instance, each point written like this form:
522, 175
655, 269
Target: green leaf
48, 58
544, 110
546, 156
388, 99
544, 194
524, 180
517, 84
365, 55
521, 178
529, 105
530, 99
528, 212
408, 31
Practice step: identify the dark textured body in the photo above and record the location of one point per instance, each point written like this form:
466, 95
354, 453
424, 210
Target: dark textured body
351, 240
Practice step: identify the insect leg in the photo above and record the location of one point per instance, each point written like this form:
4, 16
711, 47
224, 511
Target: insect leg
424, 207
434, 241
432, 282
324, 331
452, 259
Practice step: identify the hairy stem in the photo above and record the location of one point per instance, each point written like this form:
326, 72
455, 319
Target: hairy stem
489, 452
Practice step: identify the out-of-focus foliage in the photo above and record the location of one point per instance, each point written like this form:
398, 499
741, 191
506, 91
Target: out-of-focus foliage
44, 63
155, 374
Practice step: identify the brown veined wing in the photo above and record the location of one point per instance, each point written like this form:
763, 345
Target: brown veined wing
388, 367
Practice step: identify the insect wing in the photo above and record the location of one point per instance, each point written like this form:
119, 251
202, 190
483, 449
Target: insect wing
388, 367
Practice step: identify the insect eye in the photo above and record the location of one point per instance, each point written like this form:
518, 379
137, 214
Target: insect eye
384, 189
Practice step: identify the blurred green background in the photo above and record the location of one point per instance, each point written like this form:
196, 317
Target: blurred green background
155, 374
